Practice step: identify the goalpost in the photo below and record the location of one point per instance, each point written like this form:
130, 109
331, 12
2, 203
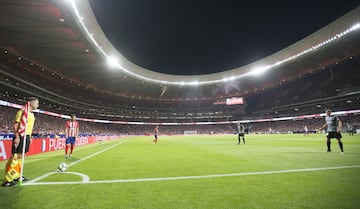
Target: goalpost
190, 132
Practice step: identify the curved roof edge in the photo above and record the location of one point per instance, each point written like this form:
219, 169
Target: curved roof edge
86, 20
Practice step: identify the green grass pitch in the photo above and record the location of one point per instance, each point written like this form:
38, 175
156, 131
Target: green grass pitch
269, 171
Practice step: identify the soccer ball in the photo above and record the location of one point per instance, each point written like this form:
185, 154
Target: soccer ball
62, 167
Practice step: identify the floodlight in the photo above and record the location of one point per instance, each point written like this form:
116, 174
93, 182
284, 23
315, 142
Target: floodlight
194, 83
112, 61
258, 71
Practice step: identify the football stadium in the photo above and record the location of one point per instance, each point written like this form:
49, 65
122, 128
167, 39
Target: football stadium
102, 131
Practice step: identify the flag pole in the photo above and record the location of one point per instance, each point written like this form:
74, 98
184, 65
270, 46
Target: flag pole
24, 145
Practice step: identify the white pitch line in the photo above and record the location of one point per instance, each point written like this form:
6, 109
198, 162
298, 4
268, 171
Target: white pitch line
195, 177
96, 153
76, 162
85, 178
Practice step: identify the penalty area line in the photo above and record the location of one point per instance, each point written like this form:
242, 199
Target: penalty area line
194, 177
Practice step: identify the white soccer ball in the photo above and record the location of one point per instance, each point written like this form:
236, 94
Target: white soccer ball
62, 167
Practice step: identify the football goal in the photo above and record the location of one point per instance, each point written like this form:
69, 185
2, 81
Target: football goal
190, 132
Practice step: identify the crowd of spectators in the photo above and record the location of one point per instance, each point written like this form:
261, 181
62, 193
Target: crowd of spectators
50, 125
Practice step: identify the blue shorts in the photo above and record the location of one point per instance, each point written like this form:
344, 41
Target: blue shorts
70, 140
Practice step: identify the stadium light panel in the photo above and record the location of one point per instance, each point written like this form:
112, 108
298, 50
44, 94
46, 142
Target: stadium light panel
258, 71
194, 83
231, 78
112, 61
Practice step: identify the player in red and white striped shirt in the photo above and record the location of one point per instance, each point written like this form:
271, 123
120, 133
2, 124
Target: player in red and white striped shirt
71, 133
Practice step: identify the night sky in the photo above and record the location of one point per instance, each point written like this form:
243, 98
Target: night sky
190, 37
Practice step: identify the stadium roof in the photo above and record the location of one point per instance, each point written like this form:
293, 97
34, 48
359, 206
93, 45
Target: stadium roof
64, 37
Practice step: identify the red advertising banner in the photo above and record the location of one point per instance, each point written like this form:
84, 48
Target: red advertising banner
40, 145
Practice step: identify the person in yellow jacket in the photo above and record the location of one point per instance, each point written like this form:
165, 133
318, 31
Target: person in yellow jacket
13, 166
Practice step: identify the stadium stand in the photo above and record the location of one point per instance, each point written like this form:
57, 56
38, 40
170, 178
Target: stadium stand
336, 86
322, 73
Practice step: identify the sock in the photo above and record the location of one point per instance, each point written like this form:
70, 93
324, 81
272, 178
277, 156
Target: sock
341, 146
66, 149
6, 168
12, 169
244, 140
71, 149
7, 165
20, 168
328, 145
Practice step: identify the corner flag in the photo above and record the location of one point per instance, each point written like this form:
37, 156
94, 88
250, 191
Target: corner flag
22, 133
23, 122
